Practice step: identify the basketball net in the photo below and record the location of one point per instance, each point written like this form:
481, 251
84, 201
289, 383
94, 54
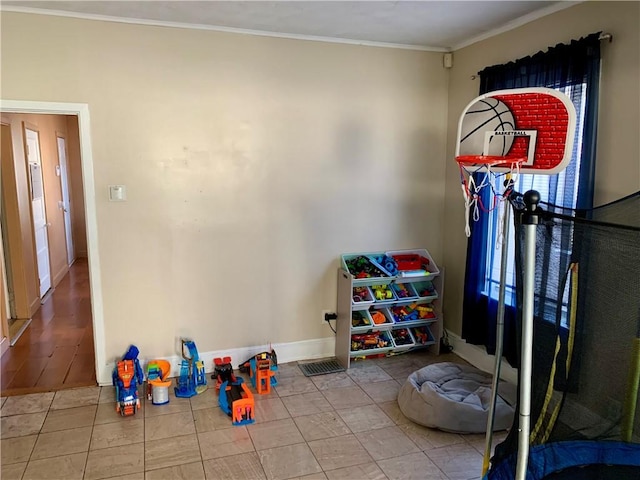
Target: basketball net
471, 186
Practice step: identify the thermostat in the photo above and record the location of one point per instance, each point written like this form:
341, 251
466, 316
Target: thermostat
117, 193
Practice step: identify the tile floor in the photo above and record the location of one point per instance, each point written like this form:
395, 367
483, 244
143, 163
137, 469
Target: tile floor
336, 426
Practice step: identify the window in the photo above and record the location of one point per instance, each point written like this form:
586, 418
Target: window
560, 189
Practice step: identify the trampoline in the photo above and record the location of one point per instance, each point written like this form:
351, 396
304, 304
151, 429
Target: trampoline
579, 406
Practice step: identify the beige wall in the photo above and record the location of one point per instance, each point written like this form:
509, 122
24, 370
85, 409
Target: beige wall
251, 164
618, 154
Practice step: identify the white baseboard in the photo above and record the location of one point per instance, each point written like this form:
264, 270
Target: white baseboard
287, 352
321, 348
479, 358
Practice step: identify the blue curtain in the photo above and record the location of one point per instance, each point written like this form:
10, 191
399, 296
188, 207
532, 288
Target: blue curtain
562, 66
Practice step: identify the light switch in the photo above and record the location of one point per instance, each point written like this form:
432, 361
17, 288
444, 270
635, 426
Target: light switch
117, 193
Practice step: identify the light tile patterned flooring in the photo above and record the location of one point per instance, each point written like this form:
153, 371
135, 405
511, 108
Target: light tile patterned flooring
336, 426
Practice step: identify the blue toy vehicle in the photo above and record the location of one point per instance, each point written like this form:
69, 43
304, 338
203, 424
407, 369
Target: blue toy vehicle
126, 377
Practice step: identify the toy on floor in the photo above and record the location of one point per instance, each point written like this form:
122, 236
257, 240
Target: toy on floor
157, 381
234, 397
126, 377
236, 400
263, 372
192, 379
262, 369
222, 371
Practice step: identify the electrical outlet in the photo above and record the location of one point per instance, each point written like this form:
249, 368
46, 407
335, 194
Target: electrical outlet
324, 312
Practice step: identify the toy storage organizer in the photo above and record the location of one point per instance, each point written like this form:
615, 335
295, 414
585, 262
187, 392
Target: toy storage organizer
382, 312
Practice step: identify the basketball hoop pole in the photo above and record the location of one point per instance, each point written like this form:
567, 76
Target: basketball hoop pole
530, 219
499, 338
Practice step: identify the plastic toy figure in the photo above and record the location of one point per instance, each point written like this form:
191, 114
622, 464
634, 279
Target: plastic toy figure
192, 379
382, 292
236, 400
223, 371
126, 377
158, 381
262, 369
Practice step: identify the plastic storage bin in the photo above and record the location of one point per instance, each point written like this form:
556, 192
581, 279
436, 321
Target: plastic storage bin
422, 335
361, 321
363, 267
363, 344
402, 338
362, 297
425, 291
381, 318
383, 294
412, 314
404, 291
414, 263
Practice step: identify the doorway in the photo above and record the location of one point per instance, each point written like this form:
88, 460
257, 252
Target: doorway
78, 277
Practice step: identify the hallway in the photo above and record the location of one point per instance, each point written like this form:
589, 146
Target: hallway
56, 350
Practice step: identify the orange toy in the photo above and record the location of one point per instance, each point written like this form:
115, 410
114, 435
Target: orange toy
378, 318
263, 375
157, 383
262, 370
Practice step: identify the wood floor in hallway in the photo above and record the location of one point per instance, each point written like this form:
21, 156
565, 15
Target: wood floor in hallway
56, 350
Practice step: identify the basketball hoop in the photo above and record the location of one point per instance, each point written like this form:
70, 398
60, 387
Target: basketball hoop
508, 132
471, 164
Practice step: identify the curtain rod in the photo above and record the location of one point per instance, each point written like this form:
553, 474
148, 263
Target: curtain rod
603, 36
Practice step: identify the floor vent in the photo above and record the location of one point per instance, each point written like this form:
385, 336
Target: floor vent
320, 368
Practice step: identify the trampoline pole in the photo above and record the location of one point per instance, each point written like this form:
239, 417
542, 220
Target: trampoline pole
631, 396
499, 338
529, 222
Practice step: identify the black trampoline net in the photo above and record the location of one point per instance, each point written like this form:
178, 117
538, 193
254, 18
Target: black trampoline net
586, 325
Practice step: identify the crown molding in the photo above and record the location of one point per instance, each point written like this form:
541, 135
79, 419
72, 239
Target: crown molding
518, 22
215, 28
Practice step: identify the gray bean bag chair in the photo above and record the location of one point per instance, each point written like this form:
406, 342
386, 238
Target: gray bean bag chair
455, 398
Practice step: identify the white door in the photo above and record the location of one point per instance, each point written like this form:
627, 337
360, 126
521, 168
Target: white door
66, 199
37, 207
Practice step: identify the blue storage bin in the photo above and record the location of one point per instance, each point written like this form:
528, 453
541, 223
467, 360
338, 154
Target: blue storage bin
369, 264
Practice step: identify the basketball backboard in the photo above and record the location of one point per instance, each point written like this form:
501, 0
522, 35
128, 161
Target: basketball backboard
537, 124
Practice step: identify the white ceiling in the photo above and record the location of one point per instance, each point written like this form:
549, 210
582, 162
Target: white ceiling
428, 25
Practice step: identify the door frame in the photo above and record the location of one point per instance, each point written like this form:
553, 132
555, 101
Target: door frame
5, 311
81, 110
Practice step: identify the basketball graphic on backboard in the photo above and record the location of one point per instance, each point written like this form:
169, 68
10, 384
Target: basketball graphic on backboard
534, 124
487, 114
